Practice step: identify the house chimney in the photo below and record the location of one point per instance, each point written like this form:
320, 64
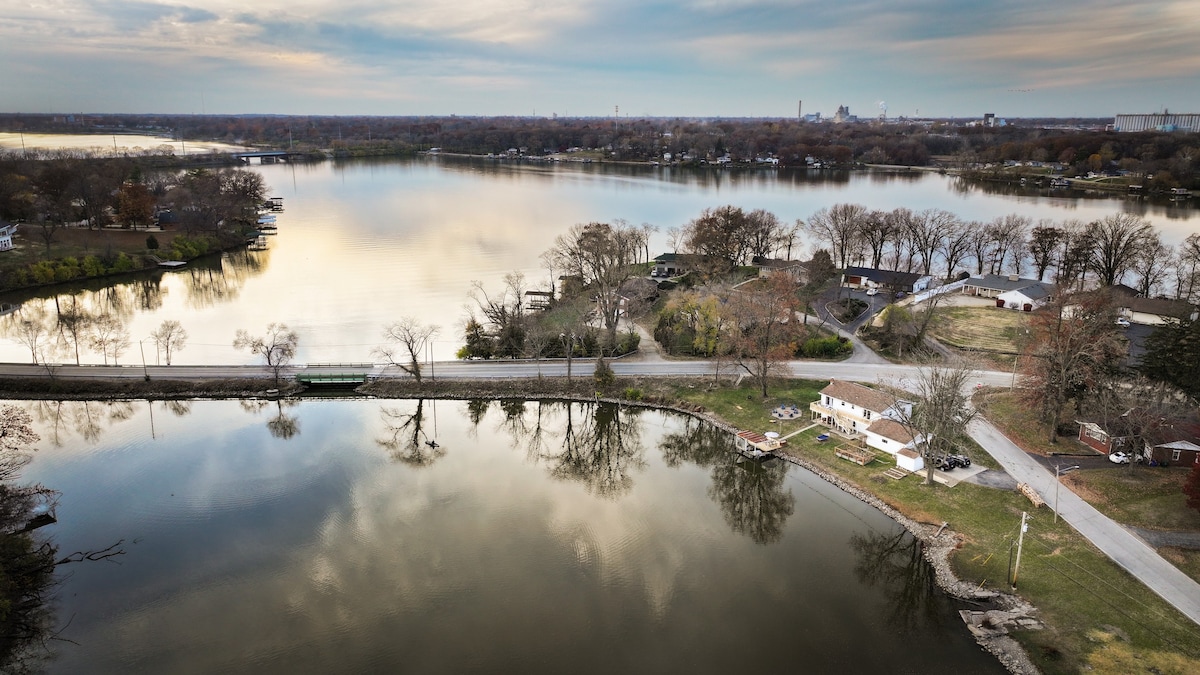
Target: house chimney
1014, 277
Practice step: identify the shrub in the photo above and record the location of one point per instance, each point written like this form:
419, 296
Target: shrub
604, 374
151, 242
92, 266
123, 263
633, 394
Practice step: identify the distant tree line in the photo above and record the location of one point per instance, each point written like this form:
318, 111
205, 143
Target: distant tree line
1171, 157
211, 208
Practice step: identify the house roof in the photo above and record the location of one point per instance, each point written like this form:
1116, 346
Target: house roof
885, 277
996, 282
856, 394
1034, 291
1180, 445
891, 429
1179, 309
775, 263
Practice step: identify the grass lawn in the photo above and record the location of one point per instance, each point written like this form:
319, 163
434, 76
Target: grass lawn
980, 328
29, 247
1087, 602
1146, 496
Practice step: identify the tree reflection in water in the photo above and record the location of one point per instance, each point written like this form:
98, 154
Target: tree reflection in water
405, 439
282, 425
87, 419
596, 444
895, 563
751, 494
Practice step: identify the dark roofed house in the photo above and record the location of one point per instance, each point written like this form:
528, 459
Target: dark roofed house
768, 267
869, 277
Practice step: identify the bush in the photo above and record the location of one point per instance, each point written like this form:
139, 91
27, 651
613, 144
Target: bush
633, 394
92, 266
628, 342
824, 348
604, 374
151, 242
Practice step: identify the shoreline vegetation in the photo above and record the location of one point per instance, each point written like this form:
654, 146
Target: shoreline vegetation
956, 527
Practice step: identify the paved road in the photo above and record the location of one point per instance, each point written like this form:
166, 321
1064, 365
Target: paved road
1124, 548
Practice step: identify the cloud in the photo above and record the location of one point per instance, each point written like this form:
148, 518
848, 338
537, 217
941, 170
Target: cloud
662, 53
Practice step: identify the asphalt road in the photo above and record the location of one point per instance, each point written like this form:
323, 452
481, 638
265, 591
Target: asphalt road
1118, 544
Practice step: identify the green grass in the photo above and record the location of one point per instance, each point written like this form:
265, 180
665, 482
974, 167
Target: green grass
1077, 590
980, 328
1146, 496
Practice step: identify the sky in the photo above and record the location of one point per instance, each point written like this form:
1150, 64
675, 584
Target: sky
667, 58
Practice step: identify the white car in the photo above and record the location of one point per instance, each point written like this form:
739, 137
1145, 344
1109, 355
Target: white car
1118, 457
872, 291
1122, 322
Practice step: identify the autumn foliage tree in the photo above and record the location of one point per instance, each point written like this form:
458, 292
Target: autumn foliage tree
1074, 348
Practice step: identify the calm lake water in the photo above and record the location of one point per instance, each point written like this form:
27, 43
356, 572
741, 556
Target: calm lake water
328, 536
363, 243
108, 143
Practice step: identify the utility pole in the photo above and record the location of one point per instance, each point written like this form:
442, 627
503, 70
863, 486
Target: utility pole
1020, 542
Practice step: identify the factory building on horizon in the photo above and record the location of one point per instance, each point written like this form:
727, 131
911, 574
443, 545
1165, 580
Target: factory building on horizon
1164, 121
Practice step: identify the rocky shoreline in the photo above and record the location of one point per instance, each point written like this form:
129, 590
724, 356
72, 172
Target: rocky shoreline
990, 628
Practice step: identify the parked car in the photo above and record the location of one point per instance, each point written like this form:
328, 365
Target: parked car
872, 291
951, 462
1122, 322
1119, 457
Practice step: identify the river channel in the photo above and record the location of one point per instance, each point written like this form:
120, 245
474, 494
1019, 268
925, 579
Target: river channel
331, 536
363, 243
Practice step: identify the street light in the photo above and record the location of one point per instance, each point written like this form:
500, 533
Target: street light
1059, 471
142, 349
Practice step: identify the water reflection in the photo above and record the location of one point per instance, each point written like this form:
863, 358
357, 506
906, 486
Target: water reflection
893, 562
752, 495
86, 419
96, 321
319, 554
281, 425
405, 437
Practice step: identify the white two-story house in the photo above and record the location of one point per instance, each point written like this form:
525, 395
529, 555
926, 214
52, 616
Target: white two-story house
850, 408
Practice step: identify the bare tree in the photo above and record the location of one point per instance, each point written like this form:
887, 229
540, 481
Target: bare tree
109, 336
1116, 242
1074, 347
927, 230
413, 337
1044, 243
32, 331
955, 244
1150, 265
1187, 269
942, 411
73, 322
169, 337
762, 323
601, 256
839, 229
878, 230
277, 347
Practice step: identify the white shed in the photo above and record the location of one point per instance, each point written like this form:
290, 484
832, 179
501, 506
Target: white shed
909, 460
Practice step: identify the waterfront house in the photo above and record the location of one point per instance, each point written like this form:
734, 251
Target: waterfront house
850, 409
1149, 311
6, 235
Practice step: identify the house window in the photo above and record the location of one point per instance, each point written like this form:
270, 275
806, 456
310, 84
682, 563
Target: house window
1174, 455
867, 414
827, 401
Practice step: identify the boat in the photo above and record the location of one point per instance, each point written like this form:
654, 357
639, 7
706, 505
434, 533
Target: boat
9, 307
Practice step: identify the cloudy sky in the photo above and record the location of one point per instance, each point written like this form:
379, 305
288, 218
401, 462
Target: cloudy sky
1014, 58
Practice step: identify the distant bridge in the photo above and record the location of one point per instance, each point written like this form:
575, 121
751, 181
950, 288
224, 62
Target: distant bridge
265, 156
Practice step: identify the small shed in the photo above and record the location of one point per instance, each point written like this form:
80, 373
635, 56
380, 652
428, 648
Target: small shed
909, 460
